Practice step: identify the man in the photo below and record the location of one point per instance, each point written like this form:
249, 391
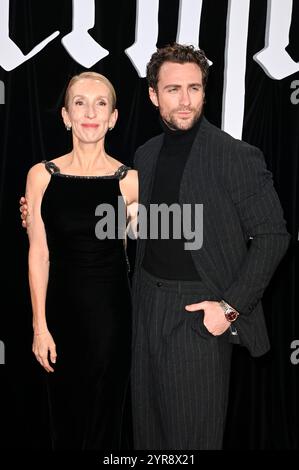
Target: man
191, 305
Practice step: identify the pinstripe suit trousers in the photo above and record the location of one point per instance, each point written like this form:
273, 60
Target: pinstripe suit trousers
180, 371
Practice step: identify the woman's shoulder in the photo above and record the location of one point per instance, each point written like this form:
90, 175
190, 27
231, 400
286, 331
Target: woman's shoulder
57, 162
124, 171
39, 168
128, 174
37, 179
132, 174
117, 164
129, 186
39, 174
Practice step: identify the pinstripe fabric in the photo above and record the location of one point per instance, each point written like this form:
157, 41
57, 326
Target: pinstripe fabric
180, 372
244, 234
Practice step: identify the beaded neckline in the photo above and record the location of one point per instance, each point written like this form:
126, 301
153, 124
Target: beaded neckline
53, 169
85, 177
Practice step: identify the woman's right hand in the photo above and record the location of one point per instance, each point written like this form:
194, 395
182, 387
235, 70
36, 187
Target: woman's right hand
43, 344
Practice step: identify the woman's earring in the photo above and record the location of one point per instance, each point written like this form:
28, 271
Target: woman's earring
110, 128
68, 127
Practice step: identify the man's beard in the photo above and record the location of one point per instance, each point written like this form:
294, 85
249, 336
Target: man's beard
178, 125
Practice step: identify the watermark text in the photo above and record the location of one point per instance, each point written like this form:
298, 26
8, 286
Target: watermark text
158, 221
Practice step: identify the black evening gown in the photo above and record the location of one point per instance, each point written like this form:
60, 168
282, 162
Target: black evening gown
88, 312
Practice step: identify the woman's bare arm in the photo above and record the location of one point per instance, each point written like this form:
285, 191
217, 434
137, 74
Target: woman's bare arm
38, 263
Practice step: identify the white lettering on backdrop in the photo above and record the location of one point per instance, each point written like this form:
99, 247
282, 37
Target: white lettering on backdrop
235, 67
146, 34
79, 44
273, 58
10, 55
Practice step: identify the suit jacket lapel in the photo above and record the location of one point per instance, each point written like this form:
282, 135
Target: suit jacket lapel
147, 171
192, 163
192, 191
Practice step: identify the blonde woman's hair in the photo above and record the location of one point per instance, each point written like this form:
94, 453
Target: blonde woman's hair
92, 76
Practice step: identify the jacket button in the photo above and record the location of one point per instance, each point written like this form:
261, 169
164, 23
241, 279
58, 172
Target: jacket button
159, 284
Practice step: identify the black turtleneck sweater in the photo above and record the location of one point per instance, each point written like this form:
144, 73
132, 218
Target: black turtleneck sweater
168, 259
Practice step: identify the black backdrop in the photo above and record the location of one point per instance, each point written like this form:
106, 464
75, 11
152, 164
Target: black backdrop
263, 409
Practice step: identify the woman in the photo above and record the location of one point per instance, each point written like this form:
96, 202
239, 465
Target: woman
78, 282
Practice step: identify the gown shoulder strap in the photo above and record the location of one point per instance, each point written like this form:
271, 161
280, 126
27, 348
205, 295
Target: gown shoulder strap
51, 167
122, 171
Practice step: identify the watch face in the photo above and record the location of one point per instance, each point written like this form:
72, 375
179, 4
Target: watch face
232, 315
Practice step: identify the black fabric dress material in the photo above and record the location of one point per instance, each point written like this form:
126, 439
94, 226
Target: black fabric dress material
88, 311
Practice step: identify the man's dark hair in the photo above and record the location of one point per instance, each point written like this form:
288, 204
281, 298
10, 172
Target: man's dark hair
179, 54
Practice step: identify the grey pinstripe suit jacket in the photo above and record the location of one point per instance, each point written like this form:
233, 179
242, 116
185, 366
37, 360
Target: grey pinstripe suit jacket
244, 233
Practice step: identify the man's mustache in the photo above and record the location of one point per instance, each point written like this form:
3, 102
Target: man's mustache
184, 109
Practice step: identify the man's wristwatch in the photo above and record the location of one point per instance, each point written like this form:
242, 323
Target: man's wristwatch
230, 313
